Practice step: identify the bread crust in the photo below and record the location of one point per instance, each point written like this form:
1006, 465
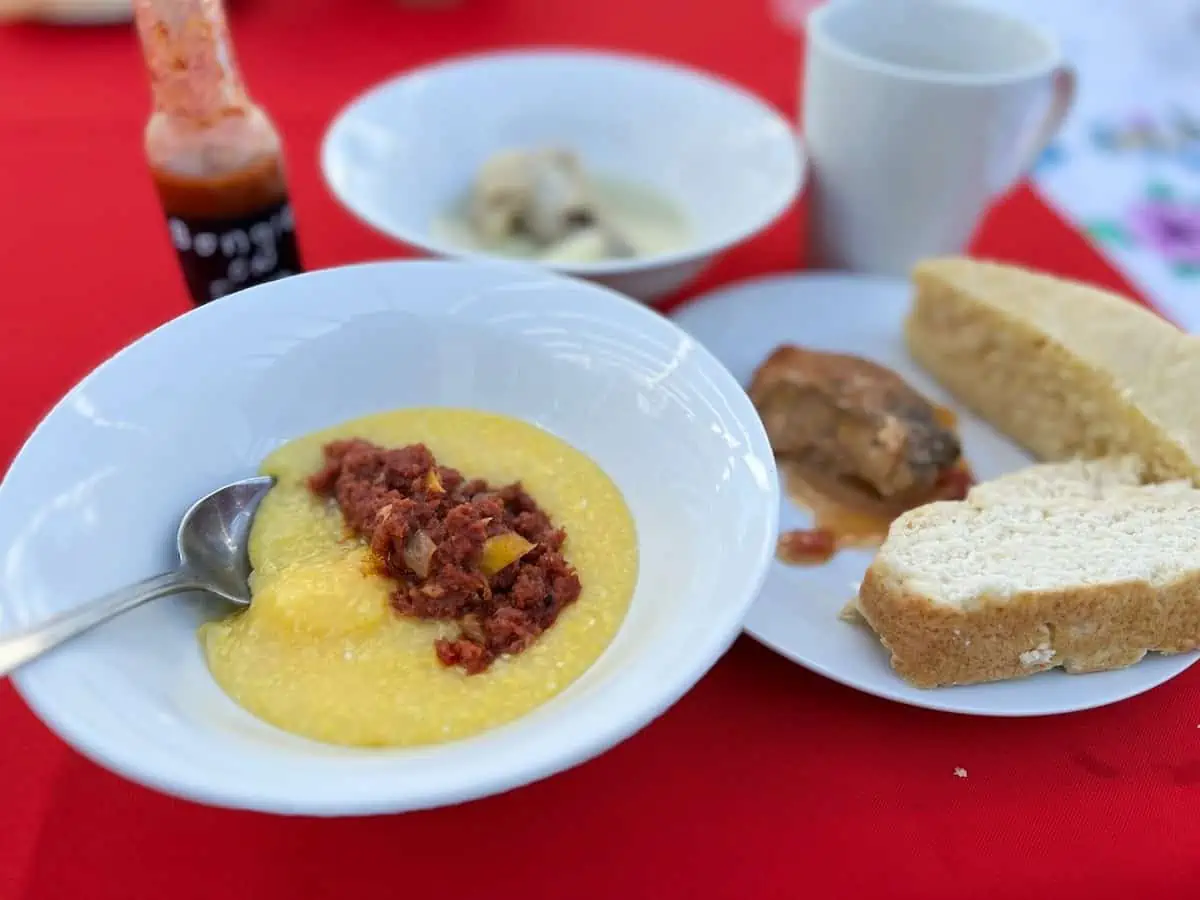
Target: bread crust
1064, 369
1082, 629
1068, 371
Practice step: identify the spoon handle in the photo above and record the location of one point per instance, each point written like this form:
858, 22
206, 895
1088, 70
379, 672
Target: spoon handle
22, 646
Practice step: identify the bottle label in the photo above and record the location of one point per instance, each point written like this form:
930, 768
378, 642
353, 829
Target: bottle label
220, 256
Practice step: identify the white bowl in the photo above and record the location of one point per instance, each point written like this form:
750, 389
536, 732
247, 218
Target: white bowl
93, 499
402, 154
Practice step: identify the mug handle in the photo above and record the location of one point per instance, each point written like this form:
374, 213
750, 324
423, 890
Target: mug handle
1062, 86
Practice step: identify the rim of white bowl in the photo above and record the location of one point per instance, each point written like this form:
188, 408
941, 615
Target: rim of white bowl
423, 240
541, 761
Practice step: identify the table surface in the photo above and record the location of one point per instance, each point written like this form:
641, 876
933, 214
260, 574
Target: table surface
766, 780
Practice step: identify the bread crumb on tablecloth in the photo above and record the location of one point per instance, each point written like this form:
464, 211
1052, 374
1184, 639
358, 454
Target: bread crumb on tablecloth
960, 772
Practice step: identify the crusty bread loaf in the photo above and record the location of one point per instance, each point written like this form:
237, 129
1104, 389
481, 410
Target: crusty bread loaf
1064, 369
1088, 573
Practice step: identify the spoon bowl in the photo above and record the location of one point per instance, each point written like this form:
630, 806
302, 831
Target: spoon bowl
213, 542
214, 537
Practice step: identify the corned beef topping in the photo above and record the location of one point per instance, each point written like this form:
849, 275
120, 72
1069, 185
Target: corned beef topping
489, 558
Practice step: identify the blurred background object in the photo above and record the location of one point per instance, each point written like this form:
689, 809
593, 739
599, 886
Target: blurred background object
106, 12
1125, 166
216, 158
68, 12
689, 166
917, 117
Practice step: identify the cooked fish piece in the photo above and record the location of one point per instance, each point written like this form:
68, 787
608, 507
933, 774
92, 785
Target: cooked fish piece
543, 195
539, 193
856, 420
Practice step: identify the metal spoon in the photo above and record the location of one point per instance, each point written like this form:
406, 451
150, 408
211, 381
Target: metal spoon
213, 551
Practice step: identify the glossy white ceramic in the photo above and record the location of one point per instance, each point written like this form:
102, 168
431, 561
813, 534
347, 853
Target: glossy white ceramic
797, 613
405, 152
93, 499
916, 115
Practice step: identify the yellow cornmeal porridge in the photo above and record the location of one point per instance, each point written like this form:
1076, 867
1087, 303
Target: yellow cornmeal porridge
320, 652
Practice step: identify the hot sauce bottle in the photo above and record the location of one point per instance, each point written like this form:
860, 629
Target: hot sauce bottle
215, 157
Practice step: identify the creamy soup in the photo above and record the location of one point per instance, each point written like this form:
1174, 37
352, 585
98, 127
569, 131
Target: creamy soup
320, 652
649, 221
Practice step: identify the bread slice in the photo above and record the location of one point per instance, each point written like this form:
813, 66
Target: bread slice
1064, 369
1077, 479
1073, 480
966, 592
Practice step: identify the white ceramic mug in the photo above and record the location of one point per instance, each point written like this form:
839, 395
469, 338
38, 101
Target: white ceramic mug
917, 113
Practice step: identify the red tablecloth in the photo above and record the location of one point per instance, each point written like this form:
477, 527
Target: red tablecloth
765, 780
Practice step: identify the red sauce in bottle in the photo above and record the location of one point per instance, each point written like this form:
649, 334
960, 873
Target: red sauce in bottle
215, 157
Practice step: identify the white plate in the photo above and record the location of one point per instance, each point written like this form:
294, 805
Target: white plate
93, 499
796, 614
405, 152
